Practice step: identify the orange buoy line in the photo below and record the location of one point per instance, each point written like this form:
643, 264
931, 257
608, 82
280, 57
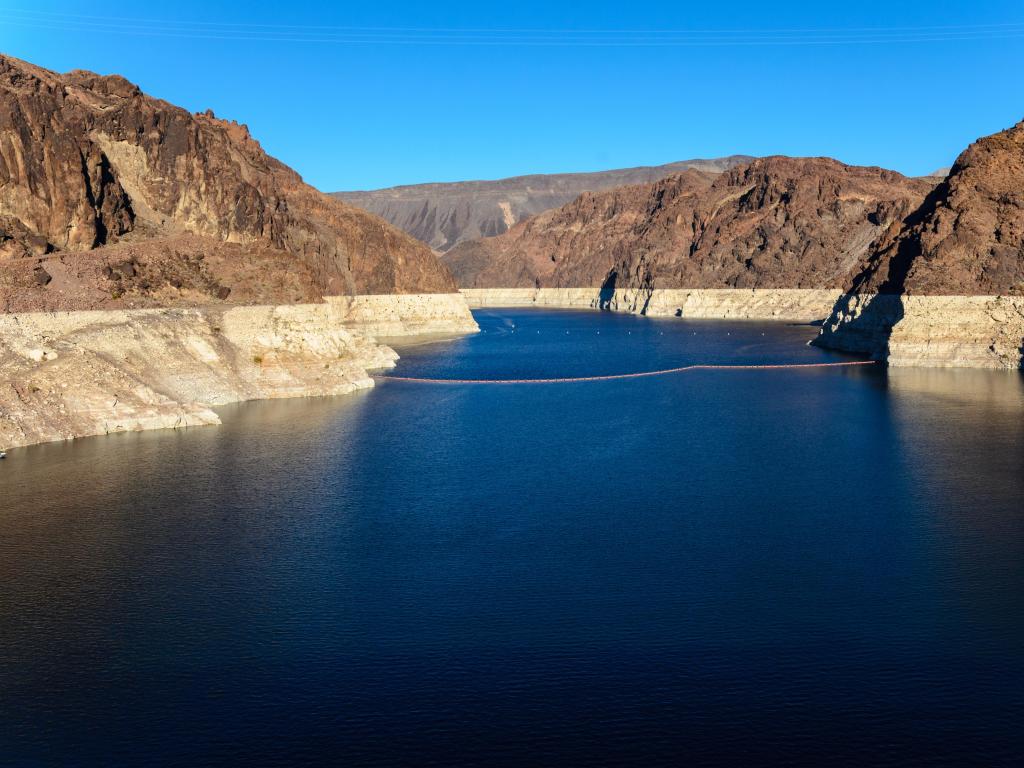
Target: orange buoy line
699, 367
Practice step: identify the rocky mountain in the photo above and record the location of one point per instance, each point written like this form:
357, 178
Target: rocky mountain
946, 288
109, 197
444, 215
775, 222
967, 238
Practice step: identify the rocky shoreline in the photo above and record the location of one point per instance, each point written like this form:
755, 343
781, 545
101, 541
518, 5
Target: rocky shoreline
790, 304
930, 331
75, 374
903, 331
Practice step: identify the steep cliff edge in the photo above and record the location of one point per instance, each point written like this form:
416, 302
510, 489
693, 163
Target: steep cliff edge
947, 287
776, 222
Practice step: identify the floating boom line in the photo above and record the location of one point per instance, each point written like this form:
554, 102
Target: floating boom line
642, 374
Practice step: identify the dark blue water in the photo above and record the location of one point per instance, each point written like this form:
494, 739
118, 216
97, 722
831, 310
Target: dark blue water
733, 568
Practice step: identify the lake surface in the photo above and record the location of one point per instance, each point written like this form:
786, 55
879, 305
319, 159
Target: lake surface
713, 567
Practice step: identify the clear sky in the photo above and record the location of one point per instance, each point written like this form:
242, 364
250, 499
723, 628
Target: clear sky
370, 94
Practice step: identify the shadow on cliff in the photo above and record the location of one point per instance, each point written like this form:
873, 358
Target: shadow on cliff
863, 318
607, 293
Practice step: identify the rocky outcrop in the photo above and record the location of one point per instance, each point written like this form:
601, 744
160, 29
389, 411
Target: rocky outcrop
444, 215
945, 288
776, 222
85, 373
967, 237
87, 161
156, 263
932, 331
71, 374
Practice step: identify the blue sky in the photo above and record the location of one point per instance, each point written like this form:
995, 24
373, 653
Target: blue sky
363, 95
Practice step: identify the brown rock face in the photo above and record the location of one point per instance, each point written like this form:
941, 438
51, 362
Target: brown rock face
444, 215
776, 222
88, 161
967, 237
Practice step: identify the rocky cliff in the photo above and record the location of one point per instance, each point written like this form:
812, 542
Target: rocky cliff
776, 222
88, 161
444, 215
71, 374
945, 288
156, 263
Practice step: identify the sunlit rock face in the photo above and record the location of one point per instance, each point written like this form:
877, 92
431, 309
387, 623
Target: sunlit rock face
87, 161
777, 222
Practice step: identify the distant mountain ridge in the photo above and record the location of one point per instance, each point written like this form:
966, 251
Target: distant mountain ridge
776, 222
442, 215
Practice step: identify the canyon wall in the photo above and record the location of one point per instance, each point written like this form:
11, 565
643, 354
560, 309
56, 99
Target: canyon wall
155, 263
946, 288
72, 374
87, 161
911, 271
777, 222
442, 215
929, 331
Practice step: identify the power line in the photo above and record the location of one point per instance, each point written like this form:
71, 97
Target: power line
993, 26
564, 42
246, 32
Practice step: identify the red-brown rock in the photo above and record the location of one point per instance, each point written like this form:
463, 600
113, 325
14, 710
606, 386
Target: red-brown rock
776, 222
87, 161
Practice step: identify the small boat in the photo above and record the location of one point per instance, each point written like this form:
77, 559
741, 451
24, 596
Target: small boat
3, 455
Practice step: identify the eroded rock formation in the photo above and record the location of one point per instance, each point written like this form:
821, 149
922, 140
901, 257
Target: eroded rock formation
945, 288
444, 215
130, 233
87, 161
776, 222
